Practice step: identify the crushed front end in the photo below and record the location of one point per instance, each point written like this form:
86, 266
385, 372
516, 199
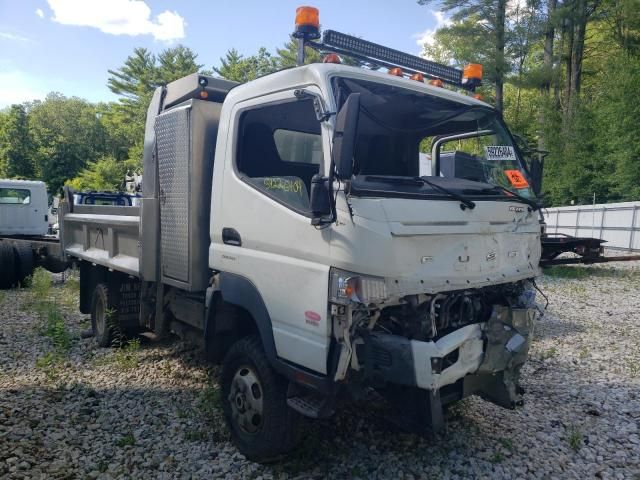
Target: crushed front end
425, 351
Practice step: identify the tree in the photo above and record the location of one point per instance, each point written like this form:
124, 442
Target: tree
287, 56
16, 145
105, 174
137, 79
237, 68
483, 18
67, 134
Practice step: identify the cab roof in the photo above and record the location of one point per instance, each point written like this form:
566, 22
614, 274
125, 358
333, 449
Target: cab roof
321, 73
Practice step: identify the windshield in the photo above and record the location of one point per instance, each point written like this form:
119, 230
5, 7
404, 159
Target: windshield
407, 133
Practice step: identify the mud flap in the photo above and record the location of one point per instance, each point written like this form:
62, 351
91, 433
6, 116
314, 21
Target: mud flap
509, 332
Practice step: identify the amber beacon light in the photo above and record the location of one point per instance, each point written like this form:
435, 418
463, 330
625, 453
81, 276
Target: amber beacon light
307, 28
308, 21
472, 75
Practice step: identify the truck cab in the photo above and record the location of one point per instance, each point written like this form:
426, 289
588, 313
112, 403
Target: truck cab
23, 207
286, 225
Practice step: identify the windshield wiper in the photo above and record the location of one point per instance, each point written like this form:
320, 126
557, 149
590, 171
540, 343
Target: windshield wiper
417, 181
464, 202
532, 203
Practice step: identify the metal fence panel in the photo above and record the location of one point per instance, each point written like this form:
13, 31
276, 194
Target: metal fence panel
617, 223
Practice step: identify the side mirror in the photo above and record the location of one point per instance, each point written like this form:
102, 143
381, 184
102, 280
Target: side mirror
320, 200
536, 169
344, 136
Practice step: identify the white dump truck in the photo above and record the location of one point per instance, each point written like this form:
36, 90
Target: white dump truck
285, 226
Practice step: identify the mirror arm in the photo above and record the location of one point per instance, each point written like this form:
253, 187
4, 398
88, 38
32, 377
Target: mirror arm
321, 112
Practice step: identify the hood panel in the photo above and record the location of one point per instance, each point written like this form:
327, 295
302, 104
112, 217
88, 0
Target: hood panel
430, 246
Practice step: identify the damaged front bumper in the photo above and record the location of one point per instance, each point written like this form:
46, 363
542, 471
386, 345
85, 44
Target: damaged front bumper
482, 358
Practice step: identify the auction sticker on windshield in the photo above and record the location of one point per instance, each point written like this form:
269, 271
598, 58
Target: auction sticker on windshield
499, 152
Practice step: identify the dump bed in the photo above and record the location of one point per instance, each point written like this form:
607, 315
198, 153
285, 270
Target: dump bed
104, 235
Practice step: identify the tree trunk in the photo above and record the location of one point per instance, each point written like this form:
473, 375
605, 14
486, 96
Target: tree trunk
500, 42
578, 47
568, 32
547, 64
549, 35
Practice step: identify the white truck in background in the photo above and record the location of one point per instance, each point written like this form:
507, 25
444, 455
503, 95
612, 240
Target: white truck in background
25, 241
286, 227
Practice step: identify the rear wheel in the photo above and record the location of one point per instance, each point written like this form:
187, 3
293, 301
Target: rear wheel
104, 317
7, 266
24, 262
254, 399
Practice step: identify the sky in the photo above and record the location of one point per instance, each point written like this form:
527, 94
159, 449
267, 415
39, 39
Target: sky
68, 46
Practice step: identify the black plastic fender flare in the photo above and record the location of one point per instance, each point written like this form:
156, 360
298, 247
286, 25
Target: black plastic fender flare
240, 291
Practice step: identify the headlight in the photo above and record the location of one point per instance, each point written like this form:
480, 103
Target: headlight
349, 287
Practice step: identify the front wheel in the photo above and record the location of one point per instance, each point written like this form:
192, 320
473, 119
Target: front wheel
254, 401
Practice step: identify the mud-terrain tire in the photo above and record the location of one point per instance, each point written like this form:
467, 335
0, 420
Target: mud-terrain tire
7, 266
24, 262
104, 317
261, 434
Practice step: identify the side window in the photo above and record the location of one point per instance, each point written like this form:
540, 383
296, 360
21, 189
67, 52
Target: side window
298, 146
15, 196
279, 150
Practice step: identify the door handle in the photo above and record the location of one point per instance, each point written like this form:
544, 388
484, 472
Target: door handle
230, 236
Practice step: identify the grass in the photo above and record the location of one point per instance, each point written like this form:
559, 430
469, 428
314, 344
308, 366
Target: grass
548, 353
196, 435
56, 329
126, 357
574, 438
579, 272
40, 284
50, 364
127, 440
209, 402
52, 324
506, 443
498, 457
70, 292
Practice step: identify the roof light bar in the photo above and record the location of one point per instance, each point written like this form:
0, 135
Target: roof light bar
385, 56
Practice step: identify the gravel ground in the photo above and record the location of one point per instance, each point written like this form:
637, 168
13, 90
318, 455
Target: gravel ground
152, 411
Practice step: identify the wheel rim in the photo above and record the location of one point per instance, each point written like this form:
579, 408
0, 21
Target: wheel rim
245, 398
100, 317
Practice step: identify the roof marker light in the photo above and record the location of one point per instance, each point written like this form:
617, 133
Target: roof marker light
418, 77
436, 82
397, 71
331, 58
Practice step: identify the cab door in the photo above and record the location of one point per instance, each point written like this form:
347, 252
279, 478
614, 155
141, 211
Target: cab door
263, 229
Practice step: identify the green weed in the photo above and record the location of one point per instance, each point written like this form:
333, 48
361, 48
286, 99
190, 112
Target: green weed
498, 457
50, 364
574, 438
196, 435
70, 292
40, 284
56, 330
548, 353
506, 443
126, 440
127, 355
209, 402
